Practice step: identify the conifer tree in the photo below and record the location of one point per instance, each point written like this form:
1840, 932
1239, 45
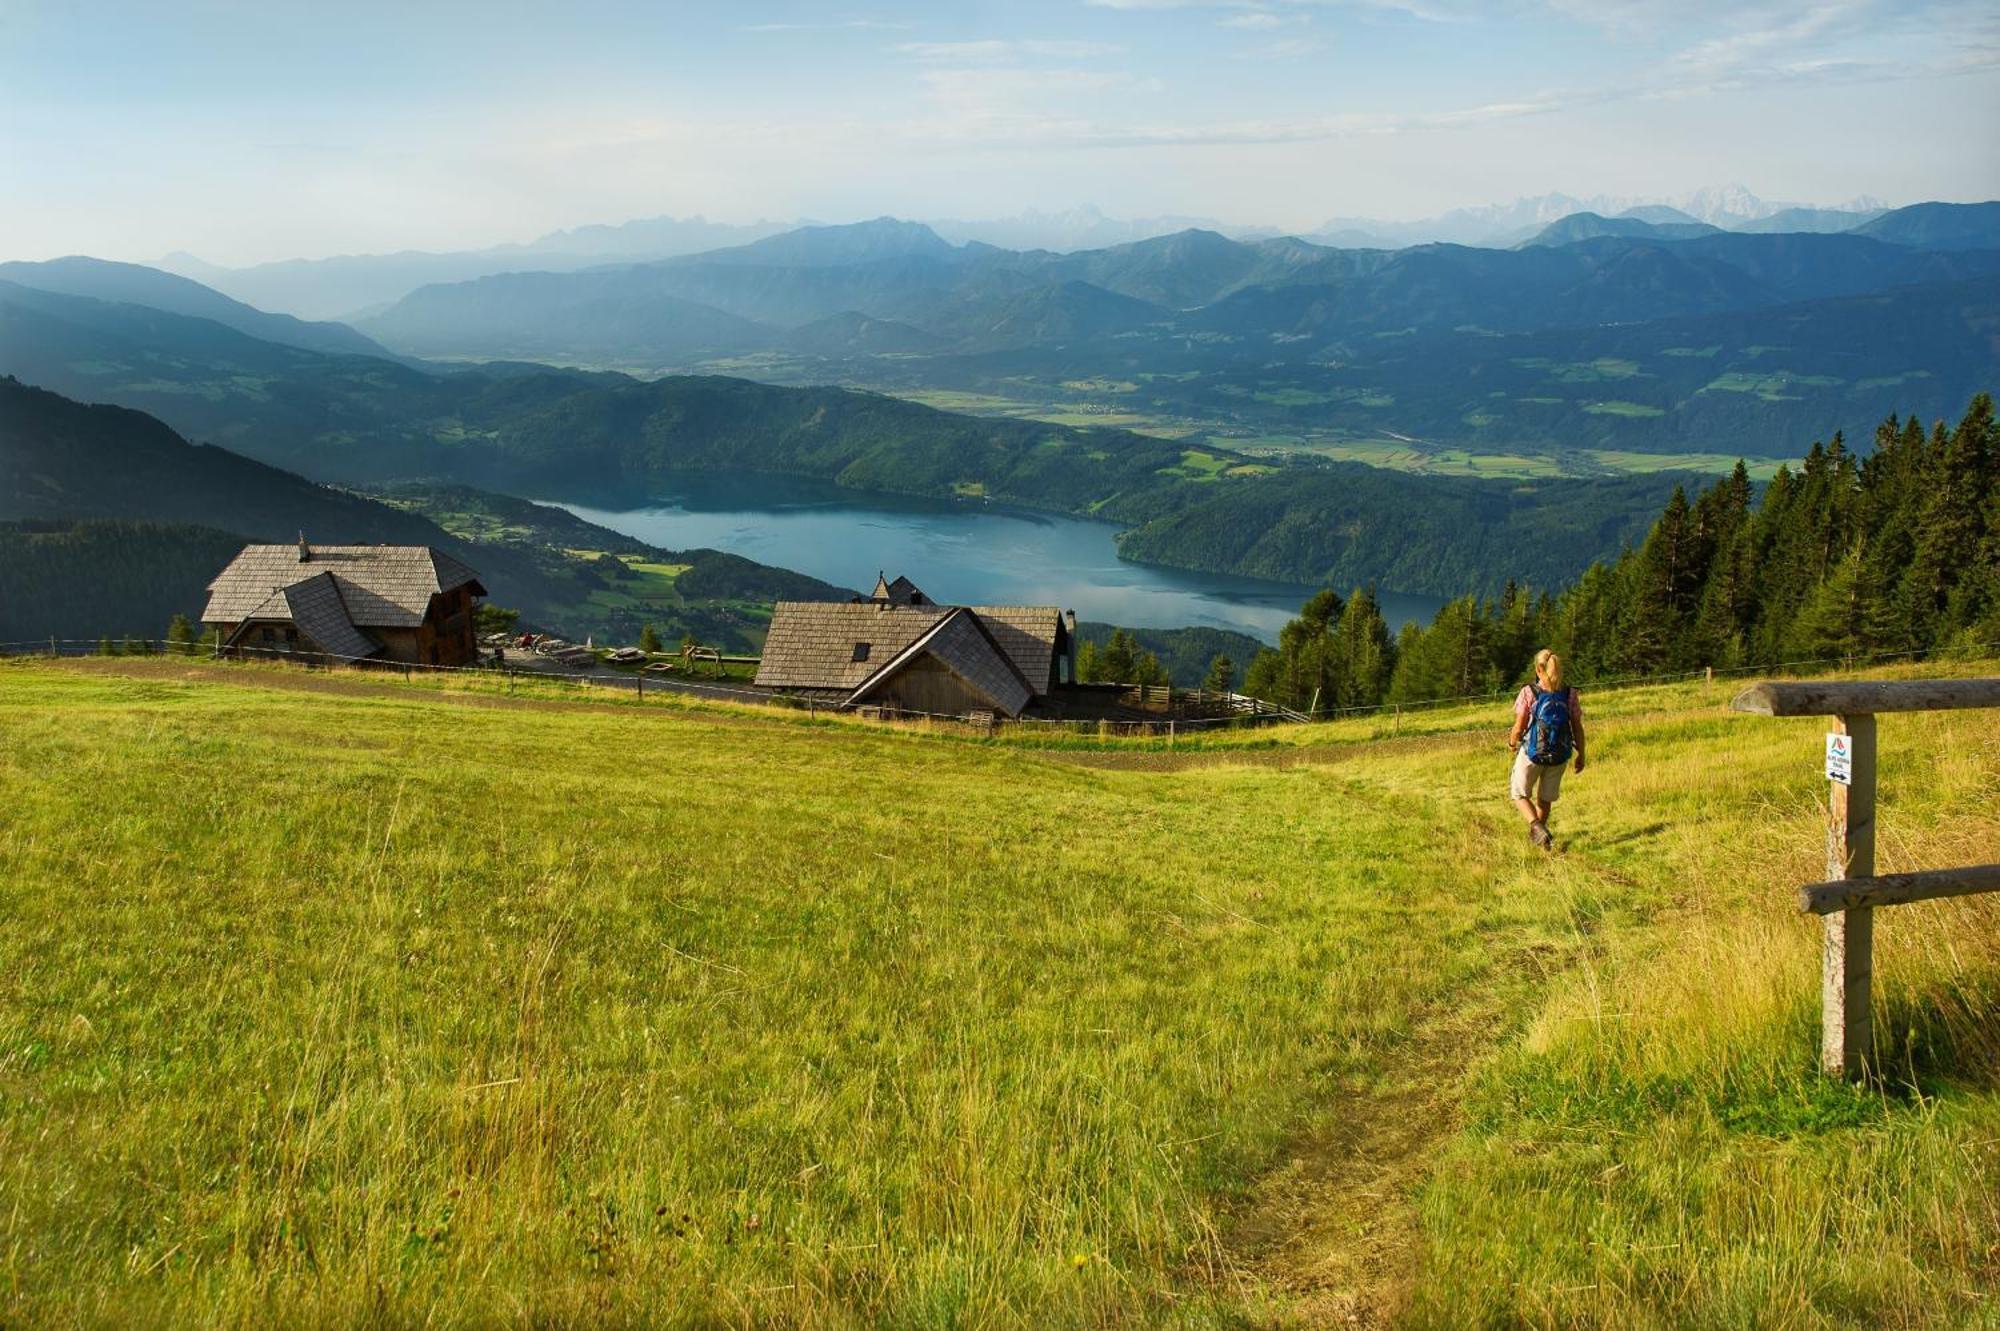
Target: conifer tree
1221, 677
1088, 668
1116, 662
1947, 530
1364, 653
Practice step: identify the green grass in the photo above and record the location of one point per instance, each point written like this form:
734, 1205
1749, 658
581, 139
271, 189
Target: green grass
1771, 386
1604, 369
1199, 466
388, 1005
1760, 469
1616, 408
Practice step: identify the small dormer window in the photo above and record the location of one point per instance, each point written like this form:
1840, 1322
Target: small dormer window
860, 651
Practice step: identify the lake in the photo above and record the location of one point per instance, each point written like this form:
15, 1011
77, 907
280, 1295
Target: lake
959, 552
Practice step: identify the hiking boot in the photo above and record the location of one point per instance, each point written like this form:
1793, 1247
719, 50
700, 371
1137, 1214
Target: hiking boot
1538, 835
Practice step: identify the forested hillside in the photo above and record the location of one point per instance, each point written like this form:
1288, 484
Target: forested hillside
122, 523
568, 434
92, 580
1897, 551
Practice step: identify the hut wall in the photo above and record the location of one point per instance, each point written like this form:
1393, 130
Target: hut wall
925, 685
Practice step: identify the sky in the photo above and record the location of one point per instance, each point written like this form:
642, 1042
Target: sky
250, 130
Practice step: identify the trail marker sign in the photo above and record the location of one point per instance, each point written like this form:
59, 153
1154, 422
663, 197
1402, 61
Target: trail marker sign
1840, 758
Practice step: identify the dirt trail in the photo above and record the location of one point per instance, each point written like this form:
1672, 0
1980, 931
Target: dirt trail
1330, 1232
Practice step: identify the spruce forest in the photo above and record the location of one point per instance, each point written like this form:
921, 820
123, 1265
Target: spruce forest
1897, 551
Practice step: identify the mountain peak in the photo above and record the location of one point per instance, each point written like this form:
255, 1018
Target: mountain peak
838, 245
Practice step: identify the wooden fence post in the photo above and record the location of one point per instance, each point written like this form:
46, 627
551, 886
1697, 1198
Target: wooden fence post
1846, 1028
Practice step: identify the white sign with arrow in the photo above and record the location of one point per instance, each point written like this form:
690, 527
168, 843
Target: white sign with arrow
1840, 758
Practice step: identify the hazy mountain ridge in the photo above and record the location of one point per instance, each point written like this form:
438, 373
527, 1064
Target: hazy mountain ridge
355, 285
361, 421
102, 279
1286, 297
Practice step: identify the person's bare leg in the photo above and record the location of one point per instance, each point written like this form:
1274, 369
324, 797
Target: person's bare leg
1528, 813
1542, 809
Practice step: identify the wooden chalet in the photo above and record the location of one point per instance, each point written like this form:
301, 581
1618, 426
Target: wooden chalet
407, 604
898, 650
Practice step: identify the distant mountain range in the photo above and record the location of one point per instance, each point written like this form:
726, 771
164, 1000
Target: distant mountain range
139, 285
1444, 343
530, 430
353, 286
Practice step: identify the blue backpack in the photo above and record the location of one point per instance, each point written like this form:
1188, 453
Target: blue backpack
1549, 743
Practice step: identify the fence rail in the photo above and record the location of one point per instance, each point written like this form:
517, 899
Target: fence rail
1847, 899
1243, 710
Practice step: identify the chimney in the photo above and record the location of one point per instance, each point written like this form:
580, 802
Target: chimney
1069, 622
305, 551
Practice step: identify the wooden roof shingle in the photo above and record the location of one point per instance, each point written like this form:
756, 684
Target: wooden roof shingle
814, 644
380, 586
1028, 634
315, 605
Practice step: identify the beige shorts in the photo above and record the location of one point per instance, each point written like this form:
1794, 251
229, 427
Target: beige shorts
1532, 781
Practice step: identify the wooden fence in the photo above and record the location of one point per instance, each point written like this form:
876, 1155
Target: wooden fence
1847, 900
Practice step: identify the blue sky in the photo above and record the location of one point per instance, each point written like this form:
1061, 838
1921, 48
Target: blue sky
244, 131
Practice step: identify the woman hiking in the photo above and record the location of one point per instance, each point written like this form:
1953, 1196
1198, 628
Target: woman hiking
1548, 729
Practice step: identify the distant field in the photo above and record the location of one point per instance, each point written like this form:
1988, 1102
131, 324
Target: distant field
326, 1000
1392, 453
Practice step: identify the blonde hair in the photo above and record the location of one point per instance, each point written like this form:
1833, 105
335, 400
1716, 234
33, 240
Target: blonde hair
1550, 666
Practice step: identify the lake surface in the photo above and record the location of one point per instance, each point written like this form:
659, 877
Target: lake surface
967, 553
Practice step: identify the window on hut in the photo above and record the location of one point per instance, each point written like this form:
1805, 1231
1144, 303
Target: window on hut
861, 651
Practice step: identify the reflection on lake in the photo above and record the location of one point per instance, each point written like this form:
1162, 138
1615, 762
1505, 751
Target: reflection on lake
960, 553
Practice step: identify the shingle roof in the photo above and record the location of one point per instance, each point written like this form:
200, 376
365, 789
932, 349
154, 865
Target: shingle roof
902, 591
962, 643
380, 586
811, 644
1027, 633
316, 607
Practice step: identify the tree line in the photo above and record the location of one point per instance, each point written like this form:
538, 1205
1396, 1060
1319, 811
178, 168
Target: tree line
1846, 556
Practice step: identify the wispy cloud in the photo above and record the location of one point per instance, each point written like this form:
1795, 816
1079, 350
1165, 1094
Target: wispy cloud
998, 50
1284, 48
851, 24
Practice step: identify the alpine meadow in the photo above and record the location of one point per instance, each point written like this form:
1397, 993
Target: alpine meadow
1225, 665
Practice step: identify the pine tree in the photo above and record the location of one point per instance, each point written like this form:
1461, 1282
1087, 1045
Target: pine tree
1948, 527
1088, 669
181, 636
1221, 677
1364, 653
1116, 662
1450, 659
649, 640
1261, 679
1845, 617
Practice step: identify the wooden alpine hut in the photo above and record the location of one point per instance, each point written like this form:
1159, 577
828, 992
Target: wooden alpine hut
898, 650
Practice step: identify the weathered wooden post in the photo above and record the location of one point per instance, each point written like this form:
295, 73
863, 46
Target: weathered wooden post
1852, 891
1846, 1036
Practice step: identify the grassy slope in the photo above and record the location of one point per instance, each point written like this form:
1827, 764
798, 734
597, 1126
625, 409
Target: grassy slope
361, 1005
